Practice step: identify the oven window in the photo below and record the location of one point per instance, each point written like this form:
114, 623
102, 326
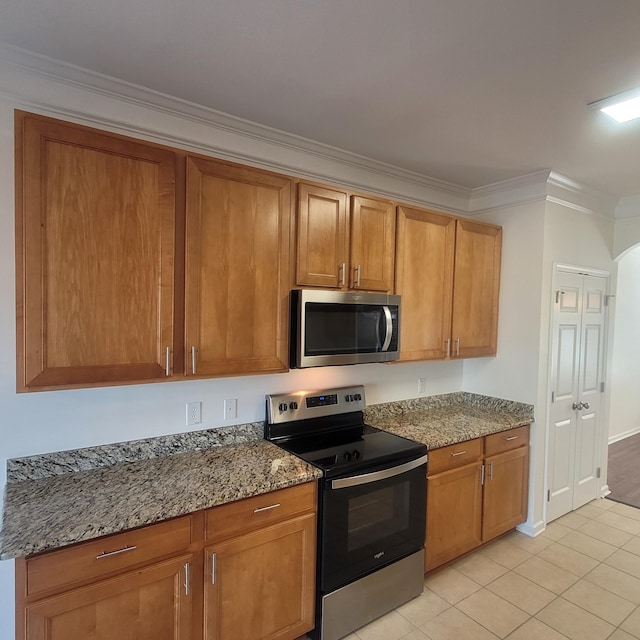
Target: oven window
378, 514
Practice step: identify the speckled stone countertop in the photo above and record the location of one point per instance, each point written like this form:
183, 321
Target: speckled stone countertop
56, 499
438, 421
58, 508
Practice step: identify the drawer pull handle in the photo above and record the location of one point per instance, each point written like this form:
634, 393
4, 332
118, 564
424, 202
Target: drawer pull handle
511, 438
458, 453
107, 554
271, 506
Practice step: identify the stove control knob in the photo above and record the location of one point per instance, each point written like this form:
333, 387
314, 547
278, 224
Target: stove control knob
283, 407
348, 398
293, 406
356, 455
357, 397
346, 456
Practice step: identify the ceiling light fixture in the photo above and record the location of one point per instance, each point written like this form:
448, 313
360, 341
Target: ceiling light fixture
622, 108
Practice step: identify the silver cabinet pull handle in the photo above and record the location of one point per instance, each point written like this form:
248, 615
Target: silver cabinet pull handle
491, 470
482, 475
271, 506
357, 278
186, 578
448, 347
108, 554
193, 360
511, 438
341, 269
458, 453
213, 568
167, 363
457, 346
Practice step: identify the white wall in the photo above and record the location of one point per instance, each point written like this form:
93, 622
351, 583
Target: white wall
58, 420
624, 419
514, 374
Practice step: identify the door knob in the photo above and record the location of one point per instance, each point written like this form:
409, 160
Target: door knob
576, 406
585, 405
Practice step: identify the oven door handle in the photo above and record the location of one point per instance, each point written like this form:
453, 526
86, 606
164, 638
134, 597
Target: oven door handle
389, 328
366, 478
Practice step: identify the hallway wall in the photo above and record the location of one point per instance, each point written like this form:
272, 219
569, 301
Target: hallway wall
625, 362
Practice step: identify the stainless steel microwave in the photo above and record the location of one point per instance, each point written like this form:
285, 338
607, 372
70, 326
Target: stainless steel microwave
334, 328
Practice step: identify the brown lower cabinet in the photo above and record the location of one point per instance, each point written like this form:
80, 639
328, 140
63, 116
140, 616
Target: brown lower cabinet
241, 571
476, 491
148, 603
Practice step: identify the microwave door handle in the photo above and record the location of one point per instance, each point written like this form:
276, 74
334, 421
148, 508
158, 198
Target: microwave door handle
366, 478
389, 327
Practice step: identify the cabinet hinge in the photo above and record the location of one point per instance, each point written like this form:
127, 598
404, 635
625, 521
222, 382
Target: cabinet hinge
598, 472
557, 296
553, 396
602, 387
549, 495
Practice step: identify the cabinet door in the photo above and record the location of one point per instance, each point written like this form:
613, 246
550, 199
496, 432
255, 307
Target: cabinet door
476, 289
237, 269
505, 491
149, 604
322, 237
373, 235
261, 585
95, 229
424, 279
454, 514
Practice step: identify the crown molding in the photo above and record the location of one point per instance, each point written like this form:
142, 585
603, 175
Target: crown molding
508, 193
542, 186
39, 66
227, 137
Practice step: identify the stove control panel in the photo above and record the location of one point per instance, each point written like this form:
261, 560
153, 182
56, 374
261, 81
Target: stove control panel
302, 405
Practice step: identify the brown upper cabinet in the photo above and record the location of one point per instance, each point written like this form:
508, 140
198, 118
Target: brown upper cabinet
103, 241
95, 228
344, 242
237, 269
448, 274
138, 262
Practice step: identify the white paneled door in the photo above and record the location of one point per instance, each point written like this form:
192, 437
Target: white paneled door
577, 376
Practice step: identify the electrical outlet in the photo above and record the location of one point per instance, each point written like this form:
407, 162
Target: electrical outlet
231, 409
194, 413
422, 386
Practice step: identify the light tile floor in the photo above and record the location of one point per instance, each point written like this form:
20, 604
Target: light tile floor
580, 580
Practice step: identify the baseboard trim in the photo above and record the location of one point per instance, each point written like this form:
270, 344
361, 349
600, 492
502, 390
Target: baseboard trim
532, 530
623, 435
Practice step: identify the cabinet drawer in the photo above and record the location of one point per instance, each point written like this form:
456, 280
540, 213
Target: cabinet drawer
454, 455
252, 513
91, 560
506, 440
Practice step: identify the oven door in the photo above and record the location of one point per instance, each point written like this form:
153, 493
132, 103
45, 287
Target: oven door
371, 520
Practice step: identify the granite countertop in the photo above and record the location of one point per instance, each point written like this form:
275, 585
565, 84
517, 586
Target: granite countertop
439, 421
54, 511
53, 500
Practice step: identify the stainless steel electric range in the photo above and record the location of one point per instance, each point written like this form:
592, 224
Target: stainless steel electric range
372, 505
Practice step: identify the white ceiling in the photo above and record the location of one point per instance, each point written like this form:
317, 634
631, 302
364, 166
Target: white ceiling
467, 91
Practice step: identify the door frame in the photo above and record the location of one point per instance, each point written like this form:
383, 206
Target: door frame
602, 427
